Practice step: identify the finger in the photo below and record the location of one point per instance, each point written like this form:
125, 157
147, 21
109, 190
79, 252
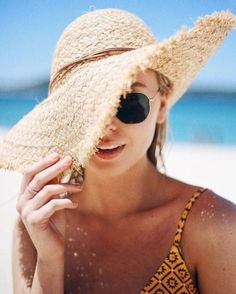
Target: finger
43, 177
30, 171
44, 213
49, 192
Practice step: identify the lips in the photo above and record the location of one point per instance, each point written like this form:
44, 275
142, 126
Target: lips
108, 152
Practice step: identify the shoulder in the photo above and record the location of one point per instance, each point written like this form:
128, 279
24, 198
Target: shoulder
213, 214
212, 238
211, 218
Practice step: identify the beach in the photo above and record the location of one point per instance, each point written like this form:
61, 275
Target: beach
210, 166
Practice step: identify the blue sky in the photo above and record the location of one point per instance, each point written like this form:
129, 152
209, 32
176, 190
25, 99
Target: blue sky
29, 31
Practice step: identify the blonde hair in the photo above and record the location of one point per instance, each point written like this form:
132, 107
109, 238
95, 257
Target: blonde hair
160, 133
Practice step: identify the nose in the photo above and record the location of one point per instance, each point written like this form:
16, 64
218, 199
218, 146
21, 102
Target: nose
111, 127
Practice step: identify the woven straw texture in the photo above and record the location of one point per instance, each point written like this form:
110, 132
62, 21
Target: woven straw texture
73, 117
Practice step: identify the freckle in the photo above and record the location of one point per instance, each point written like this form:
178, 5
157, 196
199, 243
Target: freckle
85, 233
78, 288
78, 229
70, 239
101, 284
222, 214
68, 275
90, 263
75, 254
94, 254
202, 213
100, 271
81, 274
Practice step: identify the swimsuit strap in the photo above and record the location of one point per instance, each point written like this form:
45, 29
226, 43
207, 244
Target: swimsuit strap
185, 213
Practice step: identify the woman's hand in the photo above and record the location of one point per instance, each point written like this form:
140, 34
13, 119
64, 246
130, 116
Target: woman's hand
39, 199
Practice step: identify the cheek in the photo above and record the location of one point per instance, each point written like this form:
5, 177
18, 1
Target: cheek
150, 125
144, 133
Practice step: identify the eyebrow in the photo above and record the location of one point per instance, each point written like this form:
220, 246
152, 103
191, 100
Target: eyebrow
138, 84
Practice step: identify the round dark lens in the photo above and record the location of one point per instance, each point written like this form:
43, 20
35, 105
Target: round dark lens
133, 109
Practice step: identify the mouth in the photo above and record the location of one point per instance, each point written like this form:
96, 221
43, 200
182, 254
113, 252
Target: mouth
109, 152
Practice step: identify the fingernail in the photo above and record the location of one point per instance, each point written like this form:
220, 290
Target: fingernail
67, 159
54, 155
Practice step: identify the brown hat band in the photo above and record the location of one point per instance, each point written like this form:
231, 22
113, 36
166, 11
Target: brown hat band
92, 56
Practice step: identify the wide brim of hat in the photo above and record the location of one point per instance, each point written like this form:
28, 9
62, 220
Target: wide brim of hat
71, 120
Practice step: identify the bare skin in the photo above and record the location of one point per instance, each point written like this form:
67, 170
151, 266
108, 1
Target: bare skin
124, 224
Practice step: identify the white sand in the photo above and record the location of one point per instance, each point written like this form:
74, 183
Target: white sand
209, 166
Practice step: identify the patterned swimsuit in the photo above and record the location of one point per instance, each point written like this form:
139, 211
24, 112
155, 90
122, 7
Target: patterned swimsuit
173, 276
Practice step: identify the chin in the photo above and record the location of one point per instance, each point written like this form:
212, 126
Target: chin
113, 168
108, 169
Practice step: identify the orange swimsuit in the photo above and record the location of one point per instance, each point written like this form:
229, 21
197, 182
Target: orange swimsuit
173, 275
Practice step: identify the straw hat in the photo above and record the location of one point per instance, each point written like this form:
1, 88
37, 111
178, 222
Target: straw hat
97, 59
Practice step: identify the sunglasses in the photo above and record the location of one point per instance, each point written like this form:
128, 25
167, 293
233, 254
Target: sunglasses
134, 108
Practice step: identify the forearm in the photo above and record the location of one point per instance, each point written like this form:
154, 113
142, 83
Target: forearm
48, 278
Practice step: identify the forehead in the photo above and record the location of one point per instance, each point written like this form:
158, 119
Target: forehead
139, 84
146, 79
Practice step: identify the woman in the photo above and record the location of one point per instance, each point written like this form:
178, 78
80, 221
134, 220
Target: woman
127, 228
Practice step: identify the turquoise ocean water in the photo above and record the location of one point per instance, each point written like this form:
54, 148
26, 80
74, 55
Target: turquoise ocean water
198, 117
